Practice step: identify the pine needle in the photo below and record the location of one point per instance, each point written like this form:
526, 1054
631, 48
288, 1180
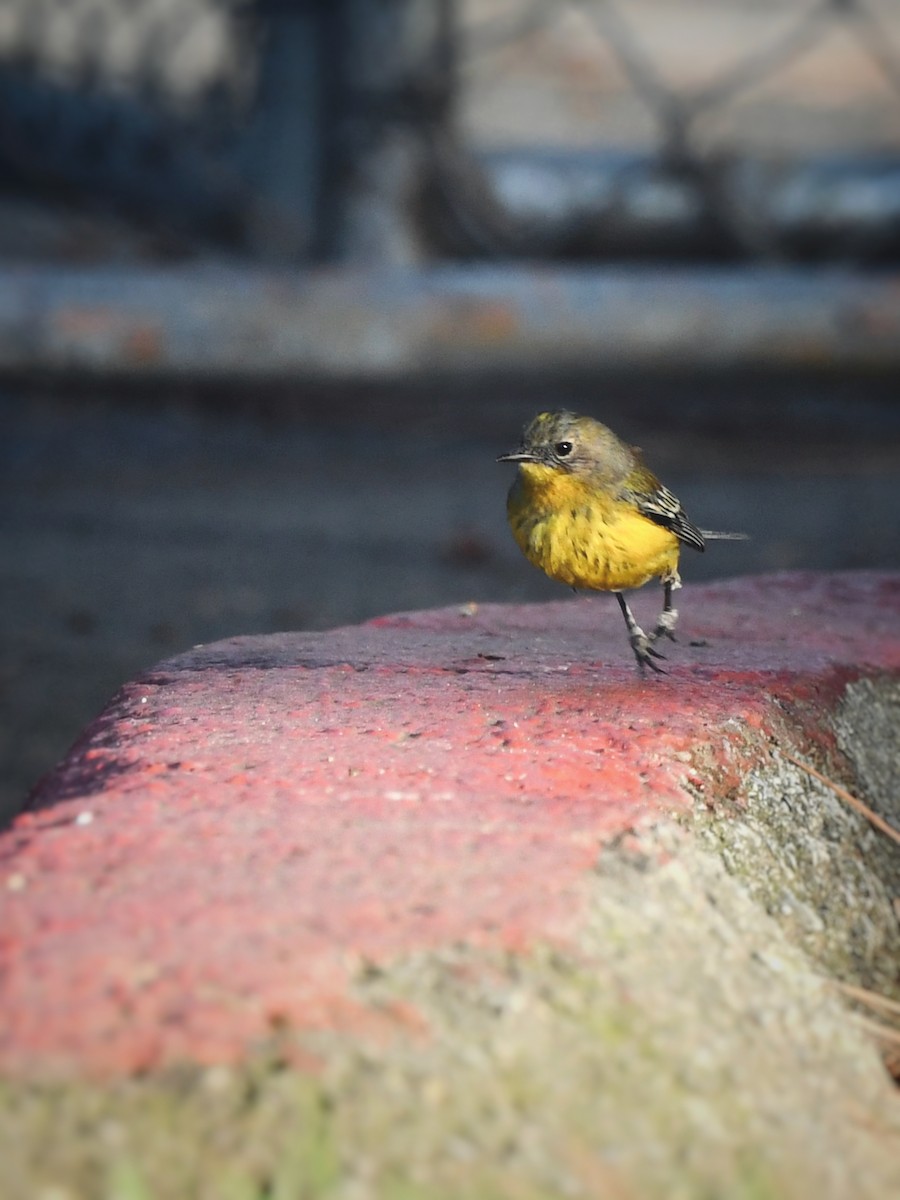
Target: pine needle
884, 1032
847, 797
865, 996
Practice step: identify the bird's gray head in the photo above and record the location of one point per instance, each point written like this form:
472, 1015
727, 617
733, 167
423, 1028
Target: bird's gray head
577, 445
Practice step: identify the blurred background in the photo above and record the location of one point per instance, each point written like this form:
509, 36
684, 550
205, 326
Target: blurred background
280, 278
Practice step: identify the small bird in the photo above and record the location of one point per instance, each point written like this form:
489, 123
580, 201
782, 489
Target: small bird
586, 510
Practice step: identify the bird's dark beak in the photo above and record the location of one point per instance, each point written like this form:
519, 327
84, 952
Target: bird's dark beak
518, 456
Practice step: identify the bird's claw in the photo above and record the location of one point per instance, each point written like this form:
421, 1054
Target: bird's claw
662, 631
645, 653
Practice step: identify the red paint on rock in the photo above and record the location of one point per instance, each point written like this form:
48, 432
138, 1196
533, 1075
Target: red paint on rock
252, 821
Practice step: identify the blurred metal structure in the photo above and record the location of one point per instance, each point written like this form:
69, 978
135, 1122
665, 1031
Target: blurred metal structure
387, 145
340, 129
766, 132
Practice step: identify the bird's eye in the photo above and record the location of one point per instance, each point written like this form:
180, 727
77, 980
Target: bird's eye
562, 449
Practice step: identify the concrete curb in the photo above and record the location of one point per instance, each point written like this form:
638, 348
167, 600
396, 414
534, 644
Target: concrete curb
347, 843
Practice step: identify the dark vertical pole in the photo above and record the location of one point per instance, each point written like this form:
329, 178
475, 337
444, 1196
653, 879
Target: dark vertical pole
284, 152
393, 99
352, 96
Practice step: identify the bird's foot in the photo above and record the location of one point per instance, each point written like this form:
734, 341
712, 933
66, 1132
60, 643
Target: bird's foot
645, 653
665, 625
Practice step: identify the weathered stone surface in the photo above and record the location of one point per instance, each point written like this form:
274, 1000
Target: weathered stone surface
519, 921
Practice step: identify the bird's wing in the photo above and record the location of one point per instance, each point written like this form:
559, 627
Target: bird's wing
661, 506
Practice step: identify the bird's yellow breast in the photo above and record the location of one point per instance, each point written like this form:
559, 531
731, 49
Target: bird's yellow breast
583, 536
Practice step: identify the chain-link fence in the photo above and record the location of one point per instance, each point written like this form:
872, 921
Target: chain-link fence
576, 128
160, 110
130, 102
685, 78
180, 51
723, 127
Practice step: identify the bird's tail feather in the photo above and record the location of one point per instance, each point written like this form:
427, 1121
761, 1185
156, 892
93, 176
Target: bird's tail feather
719, 535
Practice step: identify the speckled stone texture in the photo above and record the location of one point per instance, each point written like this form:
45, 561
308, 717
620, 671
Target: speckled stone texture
249, 824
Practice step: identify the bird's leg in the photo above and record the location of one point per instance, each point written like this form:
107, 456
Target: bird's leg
665, 625
640, 643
